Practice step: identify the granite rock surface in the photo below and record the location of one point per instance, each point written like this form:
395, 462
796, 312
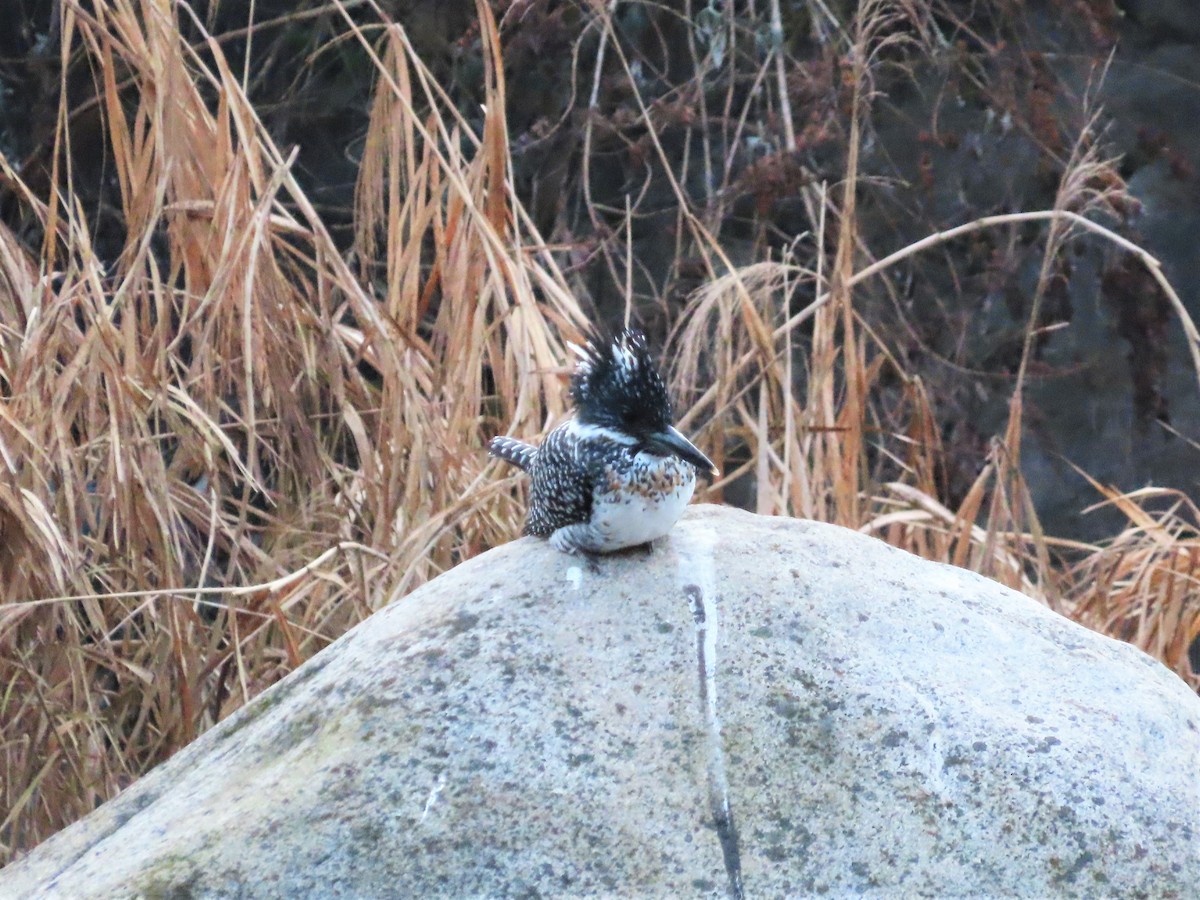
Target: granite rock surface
758, 707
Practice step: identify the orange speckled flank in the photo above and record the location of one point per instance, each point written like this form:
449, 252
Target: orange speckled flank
650, 482
639, 500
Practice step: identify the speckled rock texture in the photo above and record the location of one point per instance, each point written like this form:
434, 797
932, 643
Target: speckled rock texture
759, 707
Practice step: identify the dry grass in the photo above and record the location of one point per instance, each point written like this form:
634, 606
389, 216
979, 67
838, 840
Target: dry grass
866, 456
223, 453
174, 431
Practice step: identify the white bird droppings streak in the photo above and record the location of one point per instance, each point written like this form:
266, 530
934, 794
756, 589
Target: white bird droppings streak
433, 795
698, 582
575, 577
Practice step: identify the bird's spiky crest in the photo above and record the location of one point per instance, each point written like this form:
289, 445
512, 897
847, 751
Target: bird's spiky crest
616, 384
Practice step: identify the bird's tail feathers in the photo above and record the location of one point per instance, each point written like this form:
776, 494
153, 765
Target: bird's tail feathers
518, 453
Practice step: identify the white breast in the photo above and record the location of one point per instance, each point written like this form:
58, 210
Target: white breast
628, 517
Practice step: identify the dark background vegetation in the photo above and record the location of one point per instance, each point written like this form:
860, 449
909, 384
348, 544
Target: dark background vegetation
979, 119
655, 153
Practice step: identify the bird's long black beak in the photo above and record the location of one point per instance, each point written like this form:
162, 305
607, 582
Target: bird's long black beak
672, 443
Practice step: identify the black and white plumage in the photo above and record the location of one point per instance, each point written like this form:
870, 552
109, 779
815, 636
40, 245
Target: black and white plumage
616, 474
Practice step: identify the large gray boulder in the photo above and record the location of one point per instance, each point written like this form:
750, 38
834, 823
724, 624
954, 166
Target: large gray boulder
761, 705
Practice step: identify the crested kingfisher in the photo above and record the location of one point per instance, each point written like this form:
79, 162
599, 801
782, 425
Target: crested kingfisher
617, 473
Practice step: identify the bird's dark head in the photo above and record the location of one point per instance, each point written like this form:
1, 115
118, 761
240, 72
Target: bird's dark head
617, 386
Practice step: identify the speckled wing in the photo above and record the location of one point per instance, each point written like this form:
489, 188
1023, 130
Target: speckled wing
565, 475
